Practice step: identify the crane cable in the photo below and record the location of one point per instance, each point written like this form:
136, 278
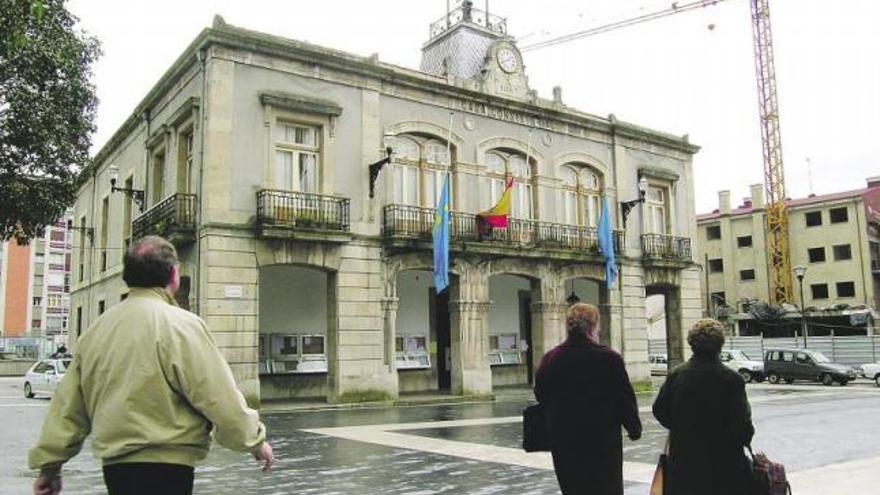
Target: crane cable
672, 10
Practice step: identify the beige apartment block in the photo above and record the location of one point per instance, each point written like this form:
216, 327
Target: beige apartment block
835, 236
253, 156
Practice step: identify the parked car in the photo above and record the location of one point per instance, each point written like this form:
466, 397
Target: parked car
870, 371
740, 362
800, 364
659, 364
44, 376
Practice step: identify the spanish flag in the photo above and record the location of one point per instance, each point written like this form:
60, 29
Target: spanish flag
496, 216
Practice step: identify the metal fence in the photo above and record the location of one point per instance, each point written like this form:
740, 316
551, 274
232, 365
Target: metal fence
850, 350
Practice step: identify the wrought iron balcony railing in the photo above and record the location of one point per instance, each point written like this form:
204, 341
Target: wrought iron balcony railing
404, 222
470, 14
290, 210
666, 247
173, 218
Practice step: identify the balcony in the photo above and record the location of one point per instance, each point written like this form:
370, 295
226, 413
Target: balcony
411, 227
666, 250
173, 218
302, 216
875, 267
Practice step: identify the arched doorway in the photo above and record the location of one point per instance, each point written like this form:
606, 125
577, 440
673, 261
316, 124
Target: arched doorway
422, 334
296, 316
664, 303
510, 329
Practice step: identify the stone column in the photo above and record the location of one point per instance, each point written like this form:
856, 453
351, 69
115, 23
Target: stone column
469, 325
674, 328
390, 305
548, 328
633, 329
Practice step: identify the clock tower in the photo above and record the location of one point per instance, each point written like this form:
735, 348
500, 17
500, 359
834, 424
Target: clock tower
472, 46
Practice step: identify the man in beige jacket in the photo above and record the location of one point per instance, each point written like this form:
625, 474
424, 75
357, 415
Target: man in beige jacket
150, 385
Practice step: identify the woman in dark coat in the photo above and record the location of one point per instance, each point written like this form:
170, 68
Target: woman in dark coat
704, 405
585, 392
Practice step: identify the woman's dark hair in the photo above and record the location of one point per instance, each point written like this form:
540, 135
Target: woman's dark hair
706, 338
148, 262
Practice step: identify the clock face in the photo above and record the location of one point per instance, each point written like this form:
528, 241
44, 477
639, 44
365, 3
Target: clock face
507, 59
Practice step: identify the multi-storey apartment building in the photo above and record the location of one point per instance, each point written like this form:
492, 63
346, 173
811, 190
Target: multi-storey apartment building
835, 236
312, 268
35, 284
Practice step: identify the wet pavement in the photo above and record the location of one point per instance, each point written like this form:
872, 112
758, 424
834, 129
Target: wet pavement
821, 434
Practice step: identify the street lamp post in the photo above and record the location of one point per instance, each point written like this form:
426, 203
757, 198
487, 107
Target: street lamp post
799, 272
626, 206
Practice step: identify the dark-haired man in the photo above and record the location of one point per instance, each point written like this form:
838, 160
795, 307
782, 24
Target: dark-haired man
150, 385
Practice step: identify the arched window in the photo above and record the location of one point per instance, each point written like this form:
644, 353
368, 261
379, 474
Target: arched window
501, 164
419, 163
581, 195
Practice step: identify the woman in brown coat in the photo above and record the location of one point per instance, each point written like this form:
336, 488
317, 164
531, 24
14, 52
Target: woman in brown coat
586, 395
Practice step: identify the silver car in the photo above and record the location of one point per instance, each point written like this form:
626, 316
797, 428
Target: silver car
44, 376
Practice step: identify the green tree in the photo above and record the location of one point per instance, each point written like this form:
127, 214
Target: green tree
47, 112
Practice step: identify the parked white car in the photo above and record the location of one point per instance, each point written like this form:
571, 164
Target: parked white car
658, 364
44, 376
870, 371
740, 362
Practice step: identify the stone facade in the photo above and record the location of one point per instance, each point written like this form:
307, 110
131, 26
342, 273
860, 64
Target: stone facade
254, 153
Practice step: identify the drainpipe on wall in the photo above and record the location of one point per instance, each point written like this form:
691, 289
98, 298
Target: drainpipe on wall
861, 253
203, 111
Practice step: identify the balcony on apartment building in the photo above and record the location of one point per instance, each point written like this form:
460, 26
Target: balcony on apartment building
666, 250
411, 227
302, 216
173, 218
875, 267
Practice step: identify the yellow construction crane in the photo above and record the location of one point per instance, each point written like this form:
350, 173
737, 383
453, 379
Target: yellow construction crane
774, 174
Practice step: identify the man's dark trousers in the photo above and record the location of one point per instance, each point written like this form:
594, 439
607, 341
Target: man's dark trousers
148, 478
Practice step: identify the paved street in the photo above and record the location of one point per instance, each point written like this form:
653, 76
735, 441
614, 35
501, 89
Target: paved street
826, 437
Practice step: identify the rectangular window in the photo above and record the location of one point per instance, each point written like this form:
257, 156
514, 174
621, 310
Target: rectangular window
716, 265
842, 252
816, 255
82, 247
297, 153
813, 218
57, 235
719, 298
184, 161
105, 215
100, 307
744, 241
37, 301
126, 210
819, 291
570, 207
79, 320
838, 215
846, 289
713, 232
656, 205
157, 182
406, 185
746, 275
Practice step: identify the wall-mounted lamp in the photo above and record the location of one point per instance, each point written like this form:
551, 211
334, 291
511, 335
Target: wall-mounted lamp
377, 166
626, 206
573, 298
137, 195
88, 231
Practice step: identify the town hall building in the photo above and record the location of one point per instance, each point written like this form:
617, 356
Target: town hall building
299, 185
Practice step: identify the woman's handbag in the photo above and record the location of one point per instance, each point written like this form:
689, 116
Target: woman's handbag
536, 438
658, 484
767, 477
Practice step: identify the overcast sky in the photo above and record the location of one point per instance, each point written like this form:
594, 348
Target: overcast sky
688, 74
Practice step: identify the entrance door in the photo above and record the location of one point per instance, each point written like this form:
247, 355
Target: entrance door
525, 323
444, 342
